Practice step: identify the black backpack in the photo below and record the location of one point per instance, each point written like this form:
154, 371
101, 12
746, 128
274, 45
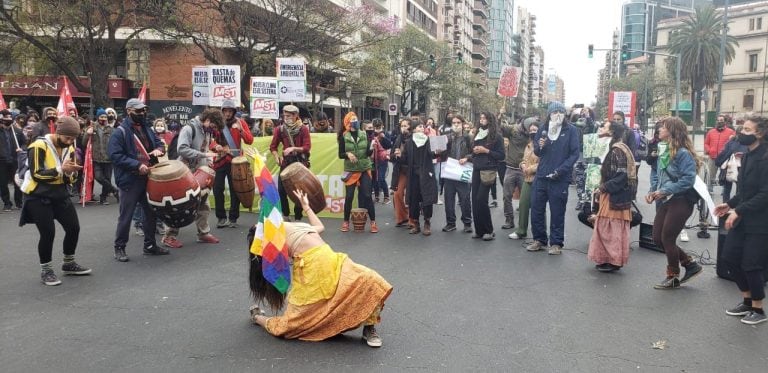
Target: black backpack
173, 147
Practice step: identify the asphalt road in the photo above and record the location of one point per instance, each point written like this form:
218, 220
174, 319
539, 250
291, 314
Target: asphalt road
459, 305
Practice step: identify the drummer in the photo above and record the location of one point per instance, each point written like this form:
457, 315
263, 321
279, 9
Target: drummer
193, 142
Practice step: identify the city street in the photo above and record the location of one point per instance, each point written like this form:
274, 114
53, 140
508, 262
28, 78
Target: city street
458, 305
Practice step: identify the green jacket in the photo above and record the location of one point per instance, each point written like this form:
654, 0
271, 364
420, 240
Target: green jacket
360, 149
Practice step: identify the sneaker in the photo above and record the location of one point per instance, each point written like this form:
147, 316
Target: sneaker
49, 278
156, 250
508, 224
415, 229
605, 267
402, 224
120, 255
222, 223
579, 206
172, 242
371, 337
374, 227
344, 226
427, 228
207, 238
439, 201
692, 270
489, 236
139, 232
468, 228
754, 318
103, 201
670, 282
535, 246
493, 204
555, 250
741, 309
515, 236
72, 268
449, 228
386, 201
684, 236
232, 223
7, 208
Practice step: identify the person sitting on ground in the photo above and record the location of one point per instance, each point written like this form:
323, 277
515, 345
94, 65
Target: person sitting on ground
329, 293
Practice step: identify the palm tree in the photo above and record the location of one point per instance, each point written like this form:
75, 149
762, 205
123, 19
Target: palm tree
697, 41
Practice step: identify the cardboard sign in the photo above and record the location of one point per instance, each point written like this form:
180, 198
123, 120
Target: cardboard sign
624, 102
292, 91
265, 108
509, 81
291, 69
200, 85
223, 84
263, 87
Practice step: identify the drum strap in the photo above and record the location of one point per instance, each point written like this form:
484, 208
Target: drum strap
142, 155
231, 141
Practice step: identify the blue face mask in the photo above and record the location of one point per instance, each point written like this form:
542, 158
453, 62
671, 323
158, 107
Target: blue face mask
355, 125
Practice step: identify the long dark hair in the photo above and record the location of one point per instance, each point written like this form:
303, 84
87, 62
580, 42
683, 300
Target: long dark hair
493, 128
261, 289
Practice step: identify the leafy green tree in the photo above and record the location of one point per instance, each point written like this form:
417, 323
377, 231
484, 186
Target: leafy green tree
697, 41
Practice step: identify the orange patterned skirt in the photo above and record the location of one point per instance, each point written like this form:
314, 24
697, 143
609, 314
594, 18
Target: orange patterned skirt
359, 298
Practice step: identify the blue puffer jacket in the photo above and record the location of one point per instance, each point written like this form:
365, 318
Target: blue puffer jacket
558, 155
679, 175
123, 154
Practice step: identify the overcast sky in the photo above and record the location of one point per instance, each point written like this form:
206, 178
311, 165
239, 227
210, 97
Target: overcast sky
564, 29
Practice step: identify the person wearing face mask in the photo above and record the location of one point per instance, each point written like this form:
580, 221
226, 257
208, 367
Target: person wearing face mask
557, 145
99, 135
745, 253
517, 139
227, 143
400, 173
162, 132
321, 124
487, 152
459, 148
130, 148
728, 159
111, 117
51, 167
267, 127
714, 144
12, 141
528, 166
296, 142
609, 245
46, 125
421, 191
356, 149
381, 147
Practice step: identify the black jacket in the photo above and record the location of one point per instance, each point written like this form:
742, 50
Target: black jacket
8, 155
751, 199
419, 159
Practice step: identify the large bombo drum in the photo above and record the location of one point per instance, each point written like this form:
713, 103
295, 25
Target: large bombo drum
205, 176
297, 176
173, 193
242, 181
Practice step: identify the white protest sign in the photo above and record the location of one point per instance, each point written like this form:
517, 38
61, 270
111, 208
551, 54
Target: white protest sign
263, 87
264, 108
452, 170
292, 91
200, 85
223, 83
291, 69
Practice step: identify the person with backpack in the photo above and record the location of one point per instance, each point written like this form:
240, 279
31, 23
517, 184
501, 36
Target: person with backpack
294, 136
192, 144
609, 246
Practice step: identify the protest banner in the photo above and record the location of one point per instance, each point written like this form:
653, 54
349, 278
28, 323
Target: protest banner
223, 84
200, 85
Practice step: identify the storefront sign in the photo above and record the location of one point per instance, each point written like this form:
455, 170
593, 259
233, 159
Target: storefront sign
179, 111
49, 86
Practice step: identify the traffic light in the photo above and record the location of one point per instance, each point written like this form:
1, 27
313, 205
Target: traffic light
591, 50
459, 57
624, 52
432, 62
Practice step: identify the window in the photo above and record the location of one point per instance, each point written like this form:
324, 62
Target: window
759, 23
753, 62
751, 24
749, 99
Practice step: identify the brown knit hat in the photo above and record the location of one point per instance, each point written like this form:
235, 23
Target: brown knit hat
67, 126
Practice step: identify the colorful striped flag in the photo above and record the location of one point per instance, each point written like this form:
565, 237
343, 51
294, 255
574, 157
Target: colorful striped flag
269, 241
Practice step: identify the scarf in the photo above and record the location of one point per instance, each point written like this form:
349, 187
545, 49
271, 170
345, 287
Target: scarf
481, 134
663, 155
420, 139
630, 161
294, 128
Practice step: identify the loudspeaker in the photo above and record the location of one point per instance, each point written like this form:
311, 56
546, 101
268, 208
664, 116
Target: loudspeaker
646, 238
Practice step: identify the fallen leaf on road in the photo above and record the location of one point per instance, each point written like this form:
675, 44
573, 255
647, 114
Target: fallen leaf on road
660, 345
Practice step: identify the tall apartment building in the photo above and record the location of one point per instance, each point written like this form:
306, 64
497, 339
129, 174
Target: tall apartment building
422, 14
611, 69
536, 81
480, 38
639, 19
456, 21
555, 87
526, 29
501, 26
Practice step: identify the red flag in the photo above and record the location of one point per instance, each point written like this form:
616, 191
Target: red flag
66, 104
3, 106
87, 192
143, 94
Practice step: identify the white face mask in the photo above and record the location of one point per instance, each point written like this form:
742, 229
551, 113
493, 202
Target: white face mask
159, 129
556, 118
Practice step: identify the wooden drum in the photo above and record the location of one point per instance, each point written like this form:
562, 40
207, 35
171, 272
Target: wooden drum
297, 176
359, 217
204, 176
173, 193
242, 181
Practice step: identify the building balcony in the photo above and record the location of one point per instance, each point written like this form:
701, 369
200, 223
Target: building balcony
448, 4
480, 9
479, 52
478, 67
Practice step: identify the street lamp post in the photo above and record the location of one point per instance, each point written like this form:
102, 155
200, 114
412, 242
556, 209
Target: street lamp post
722, 59
348, 92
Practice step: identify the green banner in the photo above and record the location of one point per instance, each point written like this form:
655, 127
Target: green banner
324, 163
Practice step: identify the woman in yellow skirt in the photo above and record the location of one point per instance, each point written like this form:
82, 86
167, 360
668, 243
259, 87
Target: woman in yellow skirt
329, 293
